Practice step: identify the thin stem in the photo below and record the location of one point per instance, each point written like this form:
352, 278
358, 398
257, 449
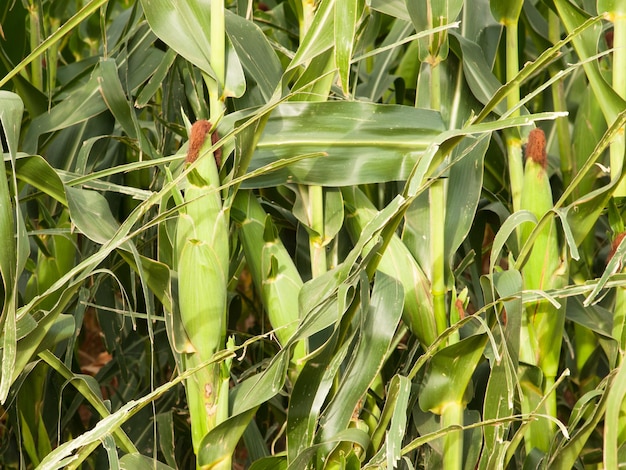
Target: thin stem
559, 104
513, 143
317, 246
36, 76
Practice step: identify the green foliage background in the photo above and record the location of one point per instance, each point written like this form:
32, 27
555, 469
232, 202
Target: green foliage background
369, 277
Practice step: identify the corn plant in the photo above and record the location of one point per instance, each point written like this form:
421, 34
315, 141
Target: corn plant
296, 234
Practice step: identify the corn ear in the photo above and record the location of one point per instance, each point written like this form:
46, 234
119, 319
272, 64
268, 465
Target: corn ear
399, 263
202, 250
544, 270
271, 267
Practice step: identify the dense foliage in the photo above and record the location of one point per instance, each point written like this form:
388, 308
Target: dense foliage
312, 234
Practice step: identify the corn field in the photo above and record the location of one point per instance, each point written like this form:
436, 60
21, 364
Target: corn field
313, 234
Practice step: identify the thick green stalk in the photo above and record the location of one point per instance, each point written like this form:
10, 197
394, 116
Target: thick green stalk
437, 199
618, 17
451, 415
437, 241
216, 85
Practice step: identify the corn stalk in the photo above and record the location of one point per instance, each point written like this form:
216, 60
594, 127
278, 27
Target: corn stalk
202, 251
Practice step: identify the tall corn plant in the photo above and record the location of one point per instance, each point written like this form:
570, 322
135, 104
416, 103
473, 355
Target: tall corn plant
308, 234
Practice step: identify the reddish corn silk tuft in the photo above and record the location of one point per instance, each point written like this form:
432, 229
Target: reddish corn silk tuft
536, 147
217, 153
608, 37
615, 246
199, 131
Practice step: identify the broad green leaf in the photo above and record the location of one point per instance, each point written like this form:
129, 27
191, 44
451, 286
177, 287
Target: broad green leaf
352, 135
255, 53
90, 212
12, 242
270, 463
506, 11
585, 45
394, 415
397, 261
347, 13
427, 14
378, 325
477, 72
219, 444
141, 462
395, 8
186, 27
37, 172
449, 373
309, 394
119, 105
319, 37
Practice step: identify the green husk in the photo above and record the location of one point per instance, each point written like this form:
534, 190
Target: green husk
543, 270
202, 250
272, 269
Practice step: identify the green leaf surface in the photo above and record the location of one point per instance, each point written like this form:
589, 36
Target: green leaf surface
219, 444
395, 8
255, 53
270, 463
365, 142
11, 246
506, 11
346, 16
91, 214
393, 415
449, 373
37, 172
186, 28
585, 44
141, 462
378, 325
119, 105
